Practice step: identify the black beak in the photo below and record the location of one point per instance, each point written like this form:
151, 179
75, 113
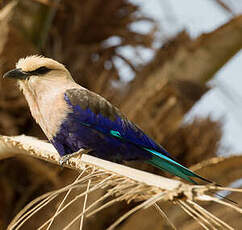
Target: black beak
16, 74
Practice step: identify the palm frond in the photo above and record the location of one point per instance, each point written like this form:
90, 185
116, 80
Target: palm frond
119, 182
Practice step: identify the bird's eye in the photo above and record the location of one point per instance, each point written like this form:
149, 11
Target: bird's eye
40, 71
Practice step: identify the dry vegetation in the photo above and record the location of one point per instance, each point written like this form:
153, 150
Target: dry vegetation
161, 93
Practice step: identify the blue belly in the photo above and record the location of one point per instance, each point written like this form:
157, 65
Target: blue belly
92, 129
73, 135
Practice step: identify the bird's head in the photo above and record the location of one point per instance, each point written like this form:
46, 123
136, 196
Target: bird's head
34, 69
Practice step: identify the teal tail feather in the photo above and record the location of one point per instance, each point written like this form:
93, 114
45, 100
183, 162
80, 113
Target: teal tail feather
165, 163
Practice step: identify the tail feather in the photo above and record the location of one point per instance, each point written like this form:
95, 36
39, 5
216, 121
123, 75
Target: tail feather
163, 162
164, 165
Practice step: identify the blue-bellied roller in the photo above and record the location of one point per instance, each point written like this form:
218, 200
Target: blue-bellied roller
73, 117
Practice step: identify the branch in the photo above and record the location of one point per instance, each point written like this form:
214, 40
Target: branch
12, 146
122, 182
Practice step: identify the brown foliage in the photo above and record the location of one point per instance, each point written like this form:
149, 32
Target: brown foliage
82, 29
196, 141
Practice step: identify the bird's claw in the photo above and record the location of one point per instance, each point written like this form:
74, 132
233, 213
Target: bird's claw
63, 160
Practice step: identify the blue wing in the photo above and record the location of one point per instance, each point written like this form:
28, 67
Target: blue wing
95, 124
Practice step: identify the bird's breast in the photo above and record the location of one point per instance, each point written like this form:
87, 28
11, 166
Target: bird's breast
47, 106
52, 113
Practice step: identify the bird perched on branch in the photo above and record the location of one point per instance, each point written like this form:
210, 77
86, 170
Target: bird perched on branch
73, 117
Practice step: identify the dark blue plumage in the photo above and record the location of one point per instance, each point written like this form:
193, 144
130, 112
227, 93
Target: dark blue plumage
83, 128
94, 124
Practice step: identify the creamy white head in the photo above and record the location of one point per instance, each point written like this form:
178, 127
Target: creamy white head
44, 82
33, 62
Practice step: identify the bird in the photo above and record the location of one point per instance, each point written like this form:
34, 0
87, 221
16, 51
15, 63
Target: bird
74, 118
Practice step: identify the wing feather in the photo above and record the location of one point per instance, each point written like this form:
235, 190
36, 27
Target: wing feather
105, 117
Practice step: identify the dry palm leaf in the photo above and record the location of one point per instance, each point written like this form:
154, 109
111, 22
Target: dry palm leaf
120, 183
225, 6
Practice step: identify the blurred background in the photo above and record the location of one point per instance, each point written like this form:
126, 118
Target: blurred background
172, 66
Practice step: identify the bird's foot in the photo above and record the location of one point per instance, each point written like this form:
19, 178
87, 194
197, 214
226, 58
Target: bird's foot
63, 160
